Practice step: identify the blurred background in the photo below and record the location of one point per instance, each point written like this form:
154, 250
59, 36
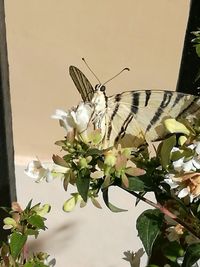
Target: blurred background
44, 39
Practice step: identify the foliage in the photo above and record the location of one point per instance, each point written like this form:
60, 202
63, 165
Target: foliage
22, 224
172, 173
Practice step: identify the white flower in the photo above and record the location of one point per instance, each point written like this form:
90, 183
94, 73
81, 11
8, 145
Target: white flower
197, 149
65, 119
75, 118
174, 233
186, 184
45, 171
188, 165
50, 263
134, 257
82, 116
169, 180
35, 170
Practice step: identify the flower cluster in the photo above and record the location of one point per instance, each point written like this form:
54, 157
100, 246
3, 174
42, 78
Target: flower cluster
183, 169
172, 174
22, 224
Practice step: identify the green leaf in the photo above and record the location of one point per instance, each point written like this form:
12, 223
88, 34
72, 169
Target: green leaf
198, 49
192, 255
32, 232
109, 205
83, 183
37, 221
28, 207
17, 241
29, 264
93, 152
165, 150
197, 76
173, 250
140, 184
35, 264
148, 225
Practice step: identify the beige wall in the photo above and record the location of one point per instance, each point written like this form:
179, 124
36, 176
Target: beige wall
44, 38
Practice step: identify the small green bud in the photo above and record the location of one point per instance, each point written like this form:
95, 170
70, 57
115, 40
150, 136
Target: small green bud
79, 147
110, 159
126, 152
71, 150
9, 223
88, 159
83, 163
70, 204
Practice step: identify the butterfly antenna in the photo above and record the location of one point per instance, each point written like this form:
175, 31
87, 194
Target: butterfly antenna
91, 70
116, 75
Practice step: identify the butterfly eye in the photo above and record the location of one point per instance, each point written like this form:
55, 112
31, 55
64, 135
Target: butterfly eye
102, 88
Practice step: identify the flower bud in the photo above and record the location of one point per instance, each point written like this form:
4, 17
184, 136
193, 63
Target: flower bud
83, 163
70, 204
174, 126
9, 223
110, 159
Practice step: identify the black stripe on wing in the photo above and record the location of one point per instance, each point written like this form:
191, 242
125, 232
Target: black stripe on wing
160, 110
82, 84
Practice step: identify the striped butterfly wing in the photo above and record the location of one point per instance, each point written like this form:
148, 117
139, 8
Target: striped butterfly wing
82, 84
135, 116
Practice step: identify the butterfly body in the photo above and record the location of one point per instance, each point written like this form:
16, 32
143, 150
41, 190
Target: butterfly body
133, 117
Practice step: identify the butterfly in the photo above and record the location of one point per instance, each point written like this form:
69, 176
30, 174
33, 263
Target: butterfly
133, 117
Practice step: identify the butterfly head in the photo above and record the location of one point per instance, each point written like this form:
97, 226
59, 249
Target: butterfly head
100, 87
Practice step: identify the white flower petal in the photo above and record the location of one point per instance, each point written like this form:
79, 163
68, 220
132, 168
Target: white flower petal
192, 146
59, 114
82, 116
197, 149
183, 193
65, 118
188, 166
171, 183
196, 163
35, 170
178, 163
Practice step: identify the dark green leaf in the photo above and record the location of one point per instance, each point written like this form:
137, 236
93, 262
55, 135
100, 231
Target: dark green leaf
37, 221
32, 232
173, 250
148, 225
197, 76
28, 207
192, 255
93, 151
83, 183
17, 242
109, 205
140, 184
198, 49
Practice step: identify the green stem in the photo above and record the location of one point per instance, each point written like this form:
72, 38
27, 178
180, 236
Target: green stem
164, 211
